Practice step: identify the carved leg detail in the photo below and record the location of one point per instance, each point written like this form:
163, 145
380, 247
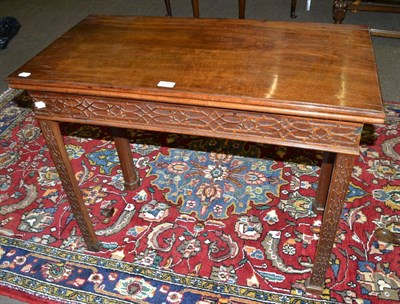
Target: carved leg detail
55, 143
339, 10
341, 175
324, 182
125, 157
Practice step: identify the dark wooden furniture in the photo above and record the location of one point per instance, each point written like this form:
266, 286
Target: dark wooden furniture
293, 8
268, 82
196, 10
293, 5
341, 7
168, 7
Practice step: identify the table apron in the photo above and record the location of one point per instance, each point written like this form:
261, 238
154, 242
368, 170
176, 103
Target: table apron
294, 131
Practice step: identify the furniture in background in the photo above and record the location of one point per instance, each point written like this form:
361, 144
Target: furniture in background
9, 27
196, 10
293, 5
341, 7
293, 8
242, 8
168, 7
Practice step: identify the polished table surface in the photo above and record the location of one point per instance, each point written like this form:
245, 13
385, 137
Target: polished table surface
276, 67
296, 84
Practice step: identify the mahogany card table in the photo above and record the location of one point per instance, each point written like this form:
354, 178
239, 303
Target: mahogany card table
303, 85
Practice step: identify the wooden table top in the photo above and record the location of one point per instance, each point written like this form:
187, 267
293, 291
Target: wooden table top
312, 70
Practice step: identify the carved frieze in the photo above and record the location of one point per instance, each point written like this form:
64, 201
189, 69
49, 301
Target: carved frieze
208, 121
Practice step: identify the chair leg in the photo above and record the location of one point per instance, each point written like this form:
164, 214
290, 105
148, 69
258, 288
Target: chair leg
195, 6
168, 7
196, 9
293, 9
242, 9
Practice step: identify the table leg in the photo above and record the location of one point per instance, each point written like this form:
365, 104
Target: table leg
55, 143
341, 175
324, 182
125, 157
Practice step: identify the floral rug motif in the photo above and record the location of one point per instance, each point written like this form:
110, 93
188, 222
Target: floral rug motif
213, 221
208, 184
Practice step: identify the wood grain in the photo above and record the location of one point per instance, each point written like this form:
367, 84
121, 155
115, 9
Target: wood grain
306, 69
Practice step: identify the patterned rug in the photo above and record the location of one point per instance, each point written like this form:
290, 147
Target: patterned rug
214, 221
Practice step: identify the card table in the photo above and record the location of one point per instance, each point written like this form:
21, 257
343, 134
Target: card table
304, 85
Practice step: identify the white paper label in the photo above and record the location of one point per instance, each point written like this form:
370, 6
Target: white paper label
166, 84
24, 74
40, 104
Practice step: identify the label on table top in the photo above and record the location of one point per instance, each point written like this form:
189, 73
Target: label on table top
40, 104
166, 84
24, 74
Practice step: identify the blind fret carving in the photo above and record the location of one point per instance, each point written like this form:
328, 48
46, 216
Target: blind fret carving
240, 125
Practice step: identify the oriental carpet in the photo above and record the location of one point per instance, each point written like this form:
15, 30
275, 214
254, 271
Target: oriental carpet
213, 221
